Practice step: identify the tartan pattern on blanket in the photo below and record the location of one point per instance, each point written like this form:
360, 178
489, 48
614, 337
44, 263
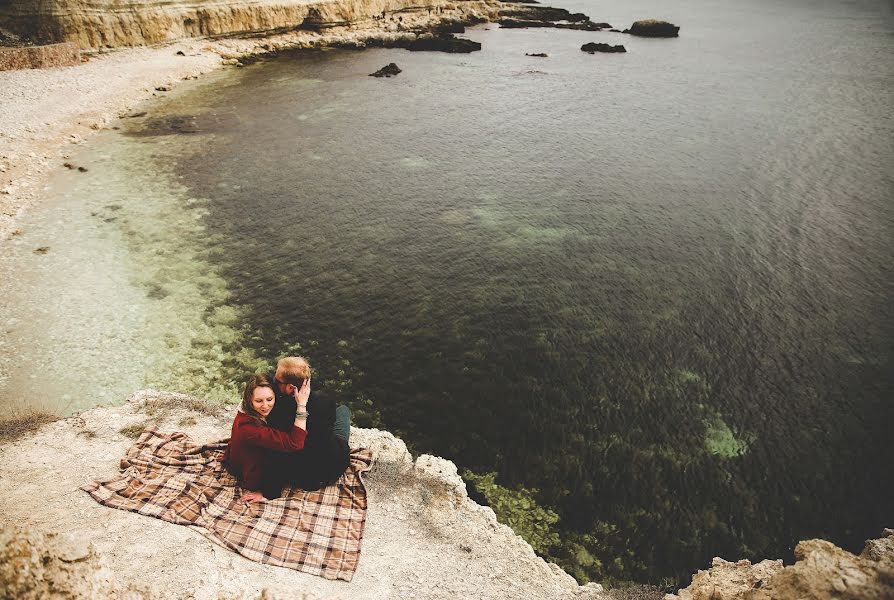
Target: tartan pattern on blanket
168, 476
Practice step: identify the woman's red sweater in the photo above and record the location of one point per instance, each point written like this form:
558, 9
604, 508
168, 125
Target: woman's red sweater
249, 440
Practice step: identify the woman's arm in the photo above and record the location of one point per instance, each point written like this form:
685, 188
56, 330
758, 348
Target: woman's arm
273, 439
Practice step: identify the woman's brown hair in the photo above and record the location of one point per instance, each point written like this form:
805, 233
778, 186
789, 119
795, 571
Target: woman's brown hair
255, 381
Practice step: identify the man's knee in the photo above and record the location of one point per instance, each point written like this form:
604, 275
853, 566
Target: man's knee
342, 421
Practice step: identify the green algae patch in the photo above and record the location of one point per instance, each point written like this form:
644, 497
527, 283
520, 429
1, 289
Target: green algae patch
720, 439
519, 509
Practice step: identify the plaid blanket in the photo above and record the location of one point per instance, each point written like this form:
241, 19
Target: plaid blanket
169, 477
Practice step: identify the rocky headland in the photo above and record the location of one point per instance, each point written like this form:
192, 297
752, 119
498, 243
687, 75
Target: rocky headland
424, 539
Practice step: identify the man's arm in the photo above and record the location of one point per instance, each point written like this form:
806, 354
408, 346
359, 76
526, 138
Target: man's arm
282, 416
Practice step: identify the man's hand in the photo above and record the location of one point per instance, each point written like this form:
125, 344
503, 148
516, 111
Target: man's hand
303, 393
253, 497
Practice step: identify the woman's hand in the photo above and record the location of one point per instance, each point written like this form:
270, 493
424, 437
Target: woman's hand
302, 393
253, 497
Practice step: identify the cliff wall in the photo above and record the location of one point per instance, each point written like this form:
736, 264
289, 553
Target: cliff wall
115, 23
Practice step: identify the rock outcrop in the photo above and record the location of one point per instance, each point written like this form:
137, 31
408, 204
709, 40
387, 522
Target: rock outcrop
594, 47
822, 570
653, 28
389, 70
424, 537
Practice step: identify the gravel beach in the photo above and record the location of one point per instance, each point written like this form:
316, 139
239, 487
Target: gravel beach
43, 111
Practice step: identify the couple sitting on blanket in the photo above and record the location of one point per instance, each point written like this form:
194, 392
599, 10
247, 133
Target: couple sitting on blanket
282, 437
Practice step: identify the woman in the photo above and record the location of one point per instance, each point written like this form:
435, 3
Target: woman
252, 439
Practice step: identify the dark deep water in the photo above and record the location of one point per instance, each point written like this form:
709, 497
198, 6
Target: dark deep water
656, 286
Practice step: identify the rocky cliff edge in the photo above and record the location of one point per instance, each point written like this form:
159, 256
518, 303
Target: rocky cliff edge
424, 537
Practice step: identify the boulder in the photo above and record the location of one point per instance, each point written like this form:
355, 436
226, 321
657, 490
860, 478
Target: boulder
653, 28
388, 70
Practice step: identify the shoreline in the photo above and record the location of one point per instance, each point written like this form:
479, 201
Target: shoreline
45, 111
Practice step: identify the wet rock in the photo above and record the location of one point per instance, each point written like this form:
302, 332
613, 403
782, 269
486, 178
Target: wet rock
68, 165
543, 13
388, 70
653, 28
442, 43
523, 23
594, 47
82, 169
584, 25
538, 54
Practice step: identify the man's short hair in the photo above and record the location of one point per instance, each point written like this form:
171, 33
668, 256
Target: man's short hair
294, 369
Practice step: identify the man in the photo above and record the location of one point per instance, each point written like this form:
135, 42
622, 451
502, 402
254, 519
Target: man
326, 453
291, 373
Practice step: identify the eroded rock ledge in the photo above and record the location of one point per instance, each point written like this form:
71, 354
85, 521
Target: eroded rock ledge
424, 537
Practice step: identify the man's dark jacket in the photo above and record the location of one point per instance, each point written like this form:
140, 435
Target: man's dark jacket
324, 458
